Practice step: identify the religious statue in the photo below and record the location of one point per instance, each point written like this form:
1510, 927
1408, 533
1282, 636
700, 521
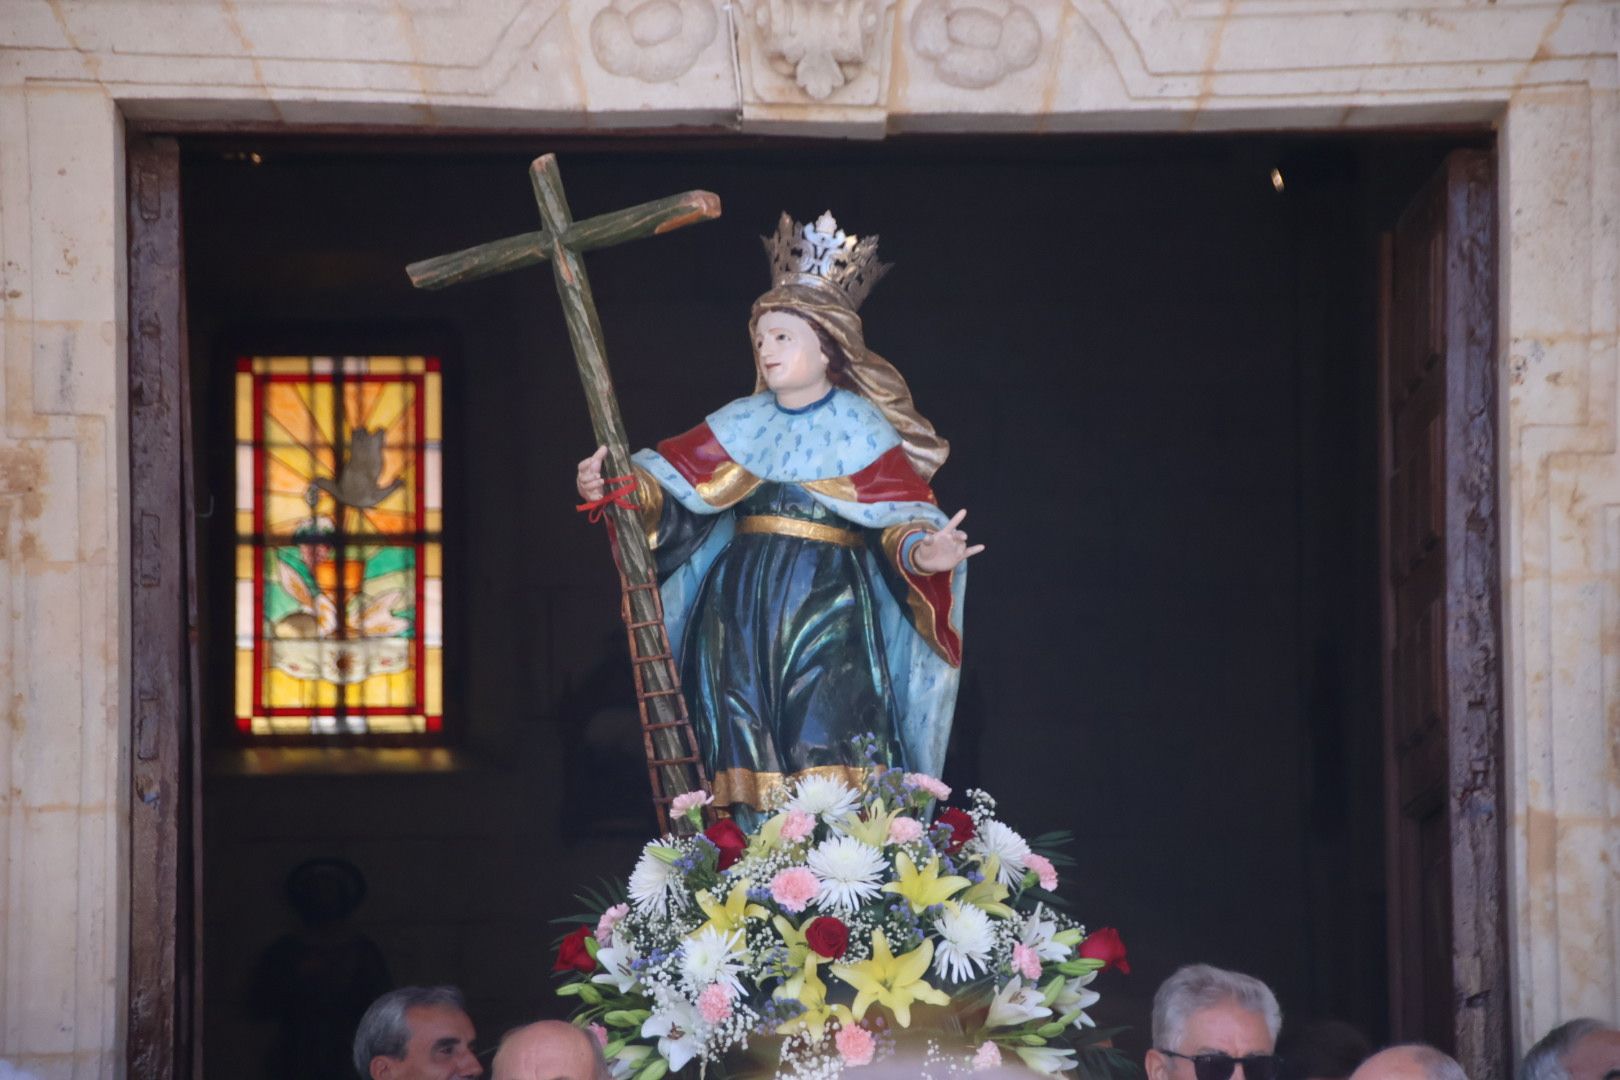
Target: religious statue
812, 588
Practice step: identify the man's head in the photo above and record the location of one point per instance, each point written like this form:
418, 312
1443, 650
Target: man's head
1206, 1021
549, 1050
1584, 1049
416, 1033
1412, 1061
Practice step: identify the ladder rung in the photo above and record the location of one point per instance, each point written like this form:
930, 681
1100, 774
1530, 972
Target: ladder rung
654, 763
654, 658
660, 693
665, 725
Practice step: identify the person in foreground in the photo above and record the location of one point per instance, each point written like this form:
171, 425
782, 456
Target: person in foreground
549, 1050
1210, 1024
416, 1033
1410, 1061
1583, 1049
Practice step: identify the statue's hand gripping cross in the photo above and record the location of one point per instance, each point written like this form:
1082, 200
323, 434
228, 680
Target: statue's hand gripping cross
673, 767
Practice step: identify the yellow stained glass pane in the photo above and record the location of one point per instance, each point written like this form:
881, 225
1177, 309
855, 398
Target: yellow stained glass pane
387, 365
433, 680
289, 725
391, 725
244, 565
244, 406
416, 364
432, 419
432, 560
433, 520
244, 682
261, 725
401, 688
244, 523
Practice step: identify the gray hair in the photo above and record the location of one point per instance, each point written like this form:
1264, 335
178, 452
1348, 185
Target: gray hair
1436, 1064
1199, 986
1545, 1061
383, 1031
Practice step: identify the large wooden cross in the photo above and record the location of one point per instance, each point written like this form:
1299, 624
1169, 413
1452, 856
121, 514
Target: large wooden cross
561, 242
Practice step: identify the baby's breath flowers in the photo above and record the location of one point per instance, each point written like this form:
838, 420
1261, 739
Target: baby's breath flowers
849, 914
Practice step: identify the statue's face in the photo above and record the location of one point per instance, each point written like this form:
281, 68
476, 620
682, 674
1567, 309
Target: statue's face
789, 354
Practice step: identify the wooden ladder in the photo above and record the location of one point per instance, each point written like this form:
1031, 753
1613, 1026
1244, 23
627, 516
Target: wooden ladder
676, 766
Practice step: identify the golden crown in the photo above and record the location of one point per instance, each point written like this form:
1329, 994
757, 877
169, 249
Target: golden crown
822, 255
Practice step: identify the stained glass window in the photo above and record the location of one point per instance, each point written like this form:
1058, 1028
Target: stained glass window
339, 511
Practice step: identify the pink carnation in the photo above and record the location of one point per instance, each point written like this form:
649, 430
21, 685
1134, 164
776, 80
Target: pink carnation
988, 1057
794, 888
855, 1045
797, 826
715, 1003
924, 782
1026, 961
599, 1033
905, 830
690, 800
1043, 869
610, 918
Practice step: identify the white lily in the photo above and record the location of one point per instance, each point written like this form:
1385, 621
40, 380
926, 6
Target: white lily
678, 1028
616, 961
1046, 1059
1074, 996
1015, 1004
1038, 932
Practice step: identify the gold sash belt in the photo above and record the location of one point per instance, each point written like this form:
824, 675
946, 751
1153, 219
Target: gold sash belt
804, 530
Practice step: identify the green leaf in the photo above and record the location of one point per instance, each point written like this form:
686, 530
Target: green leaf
656, 1070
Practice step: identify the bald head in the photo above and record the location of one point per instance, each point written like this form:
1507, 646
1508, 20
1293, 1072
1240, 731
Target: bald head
1413, 1062
549, 1050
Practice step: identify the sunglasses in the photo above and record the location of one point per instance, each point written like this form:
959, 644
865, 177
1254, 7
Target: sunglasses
1221, 1066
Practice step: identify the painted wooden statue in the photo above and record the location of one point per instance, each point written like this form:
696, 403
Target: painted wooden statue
812, 587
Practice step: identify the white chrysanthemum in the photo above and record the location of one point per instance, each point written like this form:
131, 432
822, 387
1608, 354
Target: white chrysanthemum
965, 941
713, 957
825, 796
848, 871
1038, 932
655, 884
997, 839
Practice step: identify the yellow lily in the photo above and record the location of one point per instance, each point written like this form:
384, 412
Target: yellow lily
924, 888
891, 981
768, 837
808, 990
875, 829
988, 894
730, 915
792, 937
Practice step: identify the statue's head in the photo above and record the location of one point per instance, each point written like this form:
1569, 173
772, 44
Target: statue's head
793, 351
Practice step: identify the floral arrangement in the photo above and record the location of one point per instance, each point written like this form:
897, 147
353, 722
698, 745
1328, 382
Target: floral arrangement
845, 919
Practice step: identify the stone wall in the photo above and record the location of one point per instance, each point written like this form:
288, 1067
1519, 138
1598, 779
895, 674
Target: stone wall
72, 72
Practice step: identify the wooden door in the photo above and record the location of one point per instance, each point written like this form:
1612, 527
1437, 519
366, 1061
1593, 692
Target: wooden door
164, 762
1442, 677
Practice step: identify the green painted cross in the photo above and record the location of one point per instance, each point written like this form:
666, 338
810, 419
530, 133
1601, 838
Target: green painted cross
673, 767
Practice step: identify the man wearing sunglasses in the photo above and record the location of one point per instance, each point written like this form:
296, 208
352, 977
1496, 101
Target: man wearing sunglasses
1210, 1024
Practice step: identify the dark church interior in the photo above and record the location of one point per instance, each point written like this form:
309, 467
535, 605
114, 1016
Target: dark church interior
1155, 360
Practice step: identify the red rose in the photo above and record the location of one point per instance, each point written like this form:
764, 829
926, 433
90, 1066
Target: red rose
725, 835
573, 955
960, 824
1104, 944
827, 936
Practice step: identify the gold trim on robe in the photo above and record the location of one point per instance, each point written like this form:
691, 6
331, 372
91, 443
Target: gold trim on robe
728, 485
650, 498
923, 616
755, 788
781, 525
834, 487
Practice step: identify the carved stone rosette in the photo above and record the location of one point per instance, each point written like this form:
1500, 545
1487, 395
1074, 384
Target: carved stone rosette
975, 43
652, 40
820, 44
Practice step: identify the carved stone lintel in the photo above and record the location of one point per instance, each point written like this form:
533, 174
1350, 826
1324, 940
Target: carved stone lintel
820, 44
652, 40
975, 43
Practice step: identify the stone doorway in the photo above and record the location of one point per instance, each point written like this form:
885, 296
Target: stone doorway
1146, 279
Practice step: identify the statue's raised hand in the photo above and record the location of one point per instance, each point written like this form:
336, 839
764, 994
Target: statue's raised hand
943, 548
588, 480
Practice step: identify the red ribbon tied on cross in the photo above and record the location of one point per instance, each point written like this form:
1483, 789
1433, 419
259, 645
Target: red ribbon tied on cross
614, 496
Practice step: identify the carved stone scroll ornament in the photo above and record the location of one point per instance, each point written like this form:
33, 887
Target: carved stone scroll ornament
652, 40
975, 43
820, 44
